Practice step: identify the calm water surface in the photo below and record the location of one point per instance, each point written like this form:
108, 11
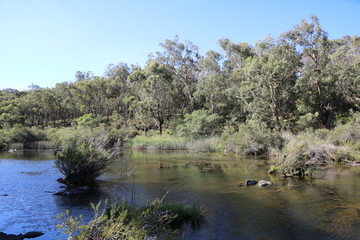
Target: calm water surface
327, 207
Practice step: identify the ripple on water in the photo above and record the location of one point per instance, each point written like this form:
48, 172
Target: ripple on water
291, 209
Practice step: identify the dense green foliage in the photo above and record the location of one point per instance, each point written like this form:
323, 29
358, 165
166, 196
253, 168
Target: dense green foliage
83, 160
245, 99
301, 79
321, 147
156, 220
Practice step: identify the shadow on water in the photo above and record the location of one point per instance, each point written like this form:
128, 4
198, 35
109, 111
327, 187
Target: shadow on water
318, 208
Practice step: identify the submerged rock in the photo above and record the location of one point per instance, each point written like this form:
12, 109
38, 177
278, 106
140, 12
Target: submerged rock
74, 191
263, 183
4, 236
251, 182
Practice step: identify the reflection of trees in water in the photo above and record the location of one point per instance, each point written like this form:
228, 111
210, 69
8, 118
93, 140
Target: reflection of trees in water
323, 209
205, 166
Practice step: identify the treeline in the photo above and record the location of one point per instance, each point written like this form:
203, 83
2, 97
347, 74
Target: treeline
301, 79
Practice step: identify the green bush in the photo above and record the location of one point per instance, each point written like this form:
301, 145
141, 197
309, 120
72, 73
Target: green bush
109, 138
125, 221
82, 162
251, 139
87, 120
25, 137
200, 123
321, 147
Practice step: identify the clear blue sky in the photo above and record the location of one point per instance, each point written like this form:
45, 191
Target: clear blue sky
44, 42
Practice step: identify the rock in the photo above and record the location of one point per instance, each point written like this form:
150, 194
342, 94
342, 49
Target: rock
263, 183
33, 234
61, 180
74, 191
251, 182
4, 236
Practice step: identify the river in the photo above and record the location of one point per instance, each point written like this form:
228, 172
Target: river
324, 207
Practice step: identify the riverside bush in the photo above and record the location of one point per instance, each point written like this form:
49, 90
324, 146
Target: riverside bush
199, 123
81, 162
24, 137
125, 221
320, 148
251, 139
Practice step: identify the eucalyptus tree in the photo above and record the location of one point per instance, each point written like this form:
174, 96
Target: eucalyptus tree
138, 109
211, 91
344, 71
267, 91
117, 91
182, 61
317, 92
153, 100
234, 65
66, 104
91, 95
9, 108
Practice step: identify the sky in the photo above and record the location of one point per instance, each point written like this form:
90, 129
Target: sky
44, 42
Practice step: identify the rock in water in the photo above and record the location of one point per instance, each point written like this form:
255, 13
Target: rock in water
4, 236
32, 234
263, 183
251, 182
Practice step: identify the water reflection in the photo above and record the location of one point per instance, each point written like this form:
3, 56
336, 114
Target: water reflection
326, 207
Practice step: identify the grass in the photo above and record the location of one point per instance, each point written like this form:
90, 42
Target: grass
183, 214
170, 142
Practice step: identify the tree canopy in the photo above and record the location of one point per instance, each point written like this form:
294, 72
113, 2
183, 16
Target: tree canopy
278, 83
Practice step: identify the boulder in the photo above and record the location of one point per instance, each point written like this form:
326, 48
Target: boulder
251, 182
263, 183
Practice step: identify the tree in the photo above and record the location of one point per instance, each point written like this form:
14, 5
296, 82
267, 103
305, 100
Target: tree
182, 62
316, 88
268, 91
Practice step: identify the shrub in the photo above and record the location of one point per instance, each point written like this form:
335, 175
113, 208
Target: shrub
125, 221
82, 163
87, 120
250, 139
22, 137
199, 123
322, 147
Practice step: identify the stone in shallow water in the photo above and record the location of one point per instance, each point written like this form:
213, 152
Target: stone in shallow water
263, 183
4, 236
251, 182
